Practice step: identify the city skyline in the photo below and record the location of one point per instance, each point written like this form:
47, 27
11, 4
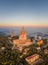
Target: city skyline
31, 13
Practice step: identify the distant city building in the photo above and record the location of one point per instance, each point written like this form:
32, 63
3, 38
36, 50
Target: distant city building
12, 34
36, 37
40, 37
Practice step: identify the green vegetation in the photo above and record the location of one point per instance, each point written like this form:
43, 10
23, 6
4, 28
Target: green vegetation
14, 57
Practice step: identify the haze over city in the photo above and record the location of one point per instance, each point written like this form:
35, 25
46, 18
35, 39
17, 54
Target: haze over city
32, 13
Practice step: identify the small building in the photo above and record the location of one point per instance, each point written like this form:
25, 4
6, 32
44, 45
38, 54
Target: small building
25, 51
38, 48
46, 51
31, 59
40, 42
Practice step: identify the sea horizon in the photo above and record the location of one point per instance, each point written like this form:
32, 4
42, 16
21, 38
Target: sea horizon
29, 30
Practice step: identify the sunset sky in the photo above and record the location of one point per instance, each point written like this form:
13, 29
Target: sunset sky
24, 13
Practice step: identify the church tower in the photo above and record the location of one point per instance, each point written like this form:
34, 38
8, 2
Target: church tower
22, 34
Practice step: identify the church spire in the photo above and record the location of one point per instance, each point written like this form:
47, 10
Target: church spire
22, 34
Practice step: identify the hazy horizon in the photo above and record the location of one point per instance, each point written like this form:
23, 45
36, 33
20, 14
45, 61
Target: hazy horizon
29, 30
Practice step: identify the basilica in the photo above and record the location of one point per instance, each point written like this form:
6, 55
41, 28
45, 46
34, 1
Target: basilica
22, 40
